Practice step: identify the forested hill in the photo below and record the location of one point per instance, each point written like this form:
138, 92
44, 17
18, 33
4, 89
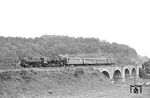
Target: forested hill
48, 45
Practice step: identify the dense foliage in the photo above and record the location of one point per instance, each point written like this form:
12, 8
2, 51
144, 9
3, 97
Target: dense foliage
49, 45
146, 66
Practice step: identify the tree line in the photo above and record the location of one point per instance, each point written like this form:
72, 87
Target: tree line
48, 45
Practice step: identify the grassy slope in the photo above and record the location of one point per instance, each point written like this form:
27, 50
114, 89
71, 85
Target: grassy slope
51, 83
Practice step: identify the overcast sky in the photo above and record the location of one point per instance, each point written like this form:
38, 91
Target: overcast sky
121, 21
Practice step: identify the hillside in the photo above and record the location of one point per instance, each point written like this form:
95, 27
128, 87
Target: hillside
48, 45
51, 84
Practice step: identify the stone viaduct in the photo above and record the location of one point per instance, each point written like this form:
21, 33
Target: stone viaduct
115, 73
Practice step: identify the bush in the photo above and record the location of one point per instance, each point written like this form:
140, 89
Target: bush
78, 72
143, 74
5, 76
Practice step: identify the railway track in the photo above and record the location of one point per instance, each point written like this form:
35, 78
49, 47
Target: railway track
41, 69
28, 69
46, 68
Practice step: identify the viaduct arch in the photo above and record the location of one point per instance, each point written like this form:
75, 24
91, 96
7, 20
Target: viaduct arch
119, 73
127, 73
117, 76
106, 74
133, 72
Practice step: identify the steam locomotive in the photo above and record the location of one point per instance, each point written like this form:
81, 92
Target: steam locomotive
58, 61
43, 62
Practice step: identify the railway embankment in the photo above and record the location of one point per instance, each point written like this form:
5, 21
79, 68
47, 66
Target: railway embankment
51, 83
